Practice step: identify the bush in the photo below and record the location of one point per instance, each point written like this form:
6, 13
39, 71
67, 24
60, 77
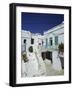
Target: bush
24, 57
61, 47
31, 49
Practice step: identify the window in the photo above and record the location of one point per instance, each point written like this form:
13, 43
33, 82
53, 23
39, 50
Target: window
24, 40
51, 41
56, 40
32, 41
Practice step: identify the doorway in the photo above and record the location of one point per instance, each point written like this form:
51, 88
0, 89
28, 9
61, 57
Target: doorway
47, 55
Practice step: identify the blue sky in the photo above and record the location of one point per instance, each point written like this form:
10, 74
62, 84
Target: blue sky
40, 22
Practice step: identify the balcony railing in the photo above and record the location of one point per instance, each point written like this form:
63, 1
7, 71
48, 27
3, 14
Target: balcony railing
50, 47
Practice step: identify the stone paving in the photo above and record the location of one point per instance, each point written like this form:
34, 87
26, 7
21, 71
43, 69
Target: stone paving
50, 70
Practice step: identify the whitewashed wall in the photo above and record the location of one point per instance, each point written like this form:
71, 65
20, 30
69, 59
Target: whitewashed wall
25, 35
56, 31
37, 39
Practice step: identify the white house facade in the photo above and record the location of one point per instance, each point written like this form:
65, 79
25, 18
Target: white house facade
48, 42
53, 37
29, 39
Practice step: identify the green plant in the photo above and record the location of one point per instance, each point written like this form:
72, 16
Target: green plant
31, 49
24, 57
61, 47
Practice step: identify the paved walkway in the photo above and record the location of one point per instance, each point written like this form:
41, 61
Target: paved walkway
50, 71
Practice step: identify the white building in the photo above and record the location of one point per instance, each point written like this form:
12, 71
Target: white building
25, 40
30, 39
49, 41
53, 37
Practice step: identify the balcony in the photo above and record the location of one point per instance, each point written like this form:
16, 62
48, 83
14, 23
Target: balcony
50, 47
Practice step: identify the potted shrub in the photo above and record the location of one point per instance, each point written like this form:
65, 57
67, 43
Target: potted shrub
31, 49
24, 57
61, 51
61, 48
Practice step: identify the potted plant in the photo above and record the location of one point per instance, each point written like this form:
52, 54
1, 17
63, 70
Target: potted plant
61, 48
24, 57
31, 49
61, 51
